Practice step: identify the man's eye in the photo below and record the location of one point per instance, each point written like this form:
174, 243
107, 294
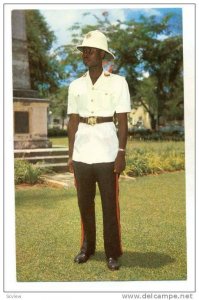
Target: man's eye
87, 51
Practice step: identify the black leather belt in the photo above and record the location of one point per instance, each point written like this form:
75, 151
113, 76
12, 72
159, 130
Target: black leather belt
95, 120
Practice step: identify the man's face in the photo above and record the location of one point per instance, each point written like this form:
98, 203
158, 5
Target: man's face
92, 57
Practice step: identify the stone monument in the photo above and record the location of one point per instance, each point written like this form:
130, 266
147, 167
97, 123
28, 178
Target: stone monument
30, 111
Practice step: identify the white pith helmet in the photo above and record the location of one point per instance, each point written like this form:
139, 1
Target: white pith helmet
96, 39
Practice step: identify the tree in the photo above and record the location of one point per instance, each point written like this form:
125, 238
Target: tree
146, 96
58, 103
45, 69
138, 48
164, 61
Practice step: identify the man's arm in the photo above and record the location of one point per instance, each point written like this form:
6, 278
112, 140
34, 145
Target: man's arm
120, 162
72, 129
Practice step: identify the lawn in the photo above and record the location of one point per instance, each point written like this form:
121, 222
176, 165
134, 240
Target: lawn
59, 141
153, 232
63, 142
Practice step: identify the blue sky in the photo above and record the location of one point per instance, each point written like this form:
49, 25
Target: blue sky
61, 20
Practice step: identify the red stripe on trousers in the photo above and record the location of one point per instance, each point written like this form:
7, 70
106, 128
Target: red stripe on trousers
118, 208
82, 225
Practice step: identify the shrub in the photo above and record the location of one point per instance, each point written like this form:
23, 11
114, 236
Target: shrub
148, 160
52, 132
26, 172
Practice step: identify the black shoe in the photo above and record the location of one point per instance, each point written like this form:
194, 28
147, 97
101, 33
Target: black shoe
81, 257
113, 264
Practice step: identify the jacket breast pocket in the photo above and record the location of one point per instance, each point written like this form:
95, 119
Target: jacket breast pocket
104, 99
81, 99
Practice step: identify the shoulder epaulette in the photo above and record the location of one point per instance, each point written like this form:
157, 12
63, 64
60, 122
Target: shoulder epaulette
106, 73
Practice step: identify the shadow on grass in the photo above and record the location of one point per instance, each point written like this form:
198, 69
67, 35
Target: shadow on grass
148, 260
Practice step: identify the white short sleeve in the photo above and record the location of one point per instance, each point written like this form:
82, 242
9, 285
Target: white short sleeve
72, 101
123, 97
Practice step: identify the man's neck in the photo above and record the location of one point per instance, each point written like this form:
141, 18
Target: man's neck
95, 73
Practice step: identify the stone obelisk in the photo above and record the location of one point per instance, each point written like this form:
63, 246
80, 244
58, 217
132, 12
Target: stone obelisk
30, 111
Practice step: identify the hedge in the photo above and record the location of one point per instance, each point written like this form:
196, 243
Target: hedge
53, 132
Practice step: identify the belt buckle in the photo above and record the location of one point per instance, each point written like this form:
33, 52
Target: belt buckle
92, 121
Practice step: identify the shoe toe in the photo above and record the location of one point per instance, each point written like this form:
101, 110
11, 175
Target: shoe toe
113, 264
81, 258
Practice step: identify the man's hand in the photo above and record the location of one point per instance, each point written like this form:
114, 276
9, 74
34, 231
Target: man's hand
120, 162
70, 165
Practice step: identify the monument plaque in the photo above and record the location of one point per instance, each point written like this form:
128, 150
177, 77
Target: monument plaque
21, 121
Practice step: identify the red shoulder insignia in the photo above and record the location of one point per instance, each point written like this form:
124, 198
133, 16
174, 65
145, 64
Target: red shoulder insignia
106, 73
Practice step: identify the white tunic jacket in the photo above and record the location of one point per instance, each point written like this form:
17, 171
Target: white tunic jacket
110, 94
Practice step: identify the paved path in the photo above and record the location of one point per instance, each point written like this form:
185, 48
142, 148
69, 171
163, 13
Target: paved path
65, 179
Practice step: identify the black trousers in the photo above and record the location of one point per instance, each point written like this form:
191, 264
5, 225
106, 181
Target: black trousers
86, 177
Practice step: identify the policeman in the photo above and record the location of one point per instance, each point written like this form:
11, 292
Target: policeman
96, 149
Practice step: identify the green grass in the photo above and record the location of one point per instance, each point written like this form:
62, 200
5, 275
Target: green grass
155, 145
153, 233
59, 141
132, 144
